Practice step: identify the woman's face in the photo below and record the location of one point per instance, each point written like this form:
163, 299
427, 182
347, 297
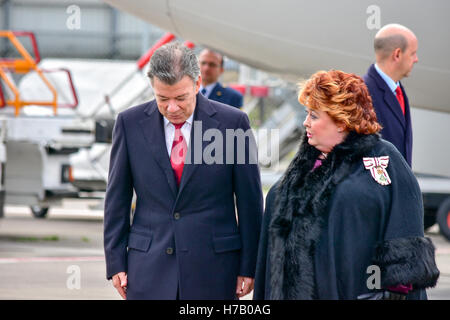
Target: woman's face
322, 132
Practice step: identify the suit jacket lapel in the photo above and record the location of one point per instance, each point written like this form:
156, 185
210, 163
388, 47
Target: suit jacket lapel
394, 105
389, 97
407, 110
203, 113
153, 129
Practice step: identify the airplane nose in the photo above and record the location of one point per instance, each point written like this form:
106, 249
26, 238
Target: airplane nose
148, 11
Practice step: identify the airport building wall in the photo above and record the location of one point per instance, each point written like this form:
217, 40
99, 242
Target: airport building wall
78, 29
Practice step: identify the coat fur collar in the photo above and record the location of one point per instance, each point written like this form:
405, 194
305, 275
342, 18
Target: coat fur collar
300, 211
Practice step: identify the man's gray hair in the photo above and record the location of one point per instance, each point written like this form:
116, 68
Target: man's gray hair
172, 62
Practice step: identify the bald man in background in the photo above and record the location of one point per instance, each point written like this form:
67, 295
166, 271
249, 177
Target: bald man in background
395, 53
211, 68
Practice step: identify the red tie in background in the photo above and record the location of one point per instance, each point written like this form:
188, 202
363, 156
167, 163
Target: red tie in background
179, 150
401, 100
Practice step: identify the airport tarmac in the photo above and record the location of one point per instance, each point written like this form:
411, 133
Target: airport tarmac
61, 257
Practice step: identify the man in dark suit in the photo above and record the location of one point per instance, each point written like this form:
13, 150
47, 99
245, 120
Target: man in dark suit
211, 68
185, 241
396, 54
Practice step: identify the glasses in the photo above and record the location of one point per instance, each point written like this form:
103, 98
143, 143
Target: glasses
209, 64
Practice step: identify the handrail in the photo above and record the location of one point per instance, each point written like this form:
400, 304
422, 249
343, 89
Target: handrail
37, 56
21, 65
2, 98
145, 58
72, 87
24, 65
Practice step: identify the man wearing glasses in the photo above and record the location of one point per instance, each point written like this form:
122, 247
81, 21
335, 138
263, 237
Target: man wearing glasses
211, 68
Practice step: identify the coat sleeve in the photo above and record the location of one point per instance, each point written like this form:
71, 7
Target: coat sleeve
404, 255
117, 203
249, 200
262, 276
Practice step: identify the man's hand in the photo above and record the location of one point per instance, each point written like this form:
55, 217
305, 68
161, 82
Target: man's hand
120, 283
244, 286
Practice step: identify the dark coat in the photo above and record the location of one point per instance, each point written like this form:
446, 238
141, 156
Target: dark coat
397, 127
227, 96
185, 238
322, 229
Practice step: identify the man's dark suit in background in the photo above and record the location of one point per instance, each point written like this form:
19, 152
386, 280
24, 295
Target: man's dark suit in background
226, 95
211, 68
397, 127
395, 54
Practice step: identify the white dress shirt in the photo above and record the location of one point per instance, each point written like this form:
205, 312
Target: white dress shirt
169, 132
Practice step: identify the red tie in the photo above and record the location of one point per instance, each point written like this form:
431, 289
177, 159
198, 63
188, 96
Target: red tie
401, 100
178, 153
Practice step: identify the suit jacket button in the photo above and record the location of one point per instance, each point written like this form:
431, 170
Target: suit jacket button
169, 250
177, 215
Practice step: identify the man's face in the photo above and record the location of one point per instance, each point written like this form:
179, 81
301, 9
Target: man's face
176, 102
409, 57
210, 66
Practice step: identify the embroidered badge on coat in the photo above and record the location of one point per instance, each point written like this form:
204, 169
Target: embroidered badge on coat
377, 167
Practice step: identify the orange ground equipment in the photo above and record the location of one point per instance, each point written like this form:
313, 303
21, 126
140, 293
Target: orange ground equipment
22, 65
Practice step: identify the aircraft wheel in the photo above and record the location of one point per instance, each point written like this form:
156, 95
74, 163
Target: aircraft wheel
39, 212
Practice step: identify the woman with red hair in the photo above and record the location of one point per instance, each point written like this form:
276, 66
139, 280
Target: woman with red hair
345, 220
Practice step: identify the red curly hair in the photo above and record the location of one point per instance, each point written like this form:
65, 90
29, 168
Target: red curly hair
345, 98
